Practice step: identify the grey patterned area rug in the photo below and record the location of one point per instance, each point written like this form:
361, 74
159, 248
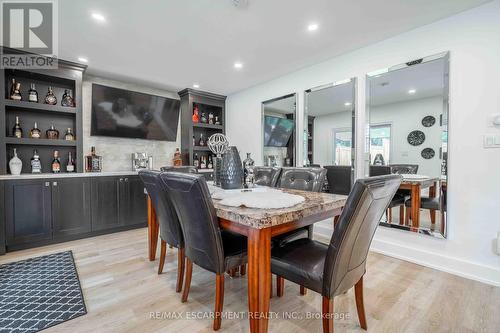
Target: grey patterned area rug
40, 292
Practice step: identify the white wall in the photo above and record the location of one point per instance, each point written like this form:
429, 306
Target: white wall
323, 135
473, 38
116, 152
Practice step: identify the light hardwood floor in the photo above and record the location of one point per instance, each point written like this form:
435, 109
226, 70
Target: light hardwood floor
122, 289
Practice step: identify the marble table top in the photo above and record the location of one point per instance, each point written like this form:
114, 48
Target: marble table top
264, 218
428, 181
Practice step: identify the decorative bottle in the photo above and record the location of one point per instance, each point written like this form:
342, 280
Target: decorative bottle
210, 164
32, 94
196, 161
50, 98
248, 164
93, 162
35, 132
202, 141
15, 164
204, 118
16, 93
217, 121
52, 133
36, 165
56, 163
196, 117
177, 161
70, 167
17, 131
211, 118
69, 136
67, 99
203, 163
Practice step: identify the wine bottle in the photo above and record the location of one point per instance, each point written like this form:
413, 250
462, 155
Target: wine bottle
17, 131
70, 167
56, 163
36, 165
35, 132
203, 164
32, 94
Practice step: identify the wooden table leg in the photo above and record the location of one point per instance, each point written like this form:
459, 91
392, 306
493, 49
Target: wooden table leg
415, 206
432, 194
259, 278
152, 230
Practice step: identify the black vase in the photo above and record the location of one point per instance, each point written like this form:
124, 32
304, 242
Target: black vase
231, 174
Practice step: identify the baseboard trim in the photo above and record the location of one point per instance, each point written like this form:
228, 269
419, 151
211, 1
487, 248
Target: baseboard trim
456, 266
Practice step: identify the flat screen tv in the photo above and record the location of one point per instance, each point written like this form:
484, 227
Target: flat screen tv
277, 131
129, 114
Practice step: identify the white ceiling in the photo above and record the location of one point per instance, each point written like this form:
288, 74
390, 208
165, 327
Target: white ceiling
174, 43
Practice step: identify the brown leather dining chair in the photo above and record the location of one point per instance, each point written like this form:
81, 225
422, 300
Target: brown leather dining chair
206, 245
335, 268
170, 229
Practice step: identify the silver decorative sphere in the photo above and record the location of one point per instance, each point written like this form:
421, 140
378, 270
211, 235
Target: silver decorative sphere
218, 143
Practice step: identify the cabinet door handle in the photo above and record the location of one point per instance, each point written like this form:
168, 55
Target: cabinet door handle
47, 184
126, 179
54, 184
121, 179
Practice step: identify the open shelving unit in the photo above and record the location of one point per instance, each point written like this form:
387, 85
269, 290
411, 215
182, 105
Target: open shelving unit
68, 75
310, 136
206, 102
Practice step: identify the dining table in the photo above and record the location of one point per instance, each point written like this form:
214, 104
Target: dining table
259, 226
415, 185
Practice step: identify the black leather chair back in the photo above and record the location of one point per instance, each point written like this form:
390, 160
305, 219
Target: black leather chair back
306, 179
379, 170
345, 261
170, 229
339, 178
266, 176
181, 168
401, 169
193, 204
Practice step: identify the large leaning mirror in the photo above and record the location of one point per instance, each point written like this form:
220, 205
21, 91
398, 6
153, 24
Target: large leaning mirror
279, 131
408, 135
329, 132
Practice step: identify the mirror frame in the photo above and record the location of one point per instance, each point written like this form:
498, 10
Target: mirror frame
446, 108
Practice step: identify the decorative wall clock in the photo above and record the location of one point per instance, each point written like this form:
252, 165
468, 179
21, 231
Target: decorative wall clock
416, 138
428, 121
428, 153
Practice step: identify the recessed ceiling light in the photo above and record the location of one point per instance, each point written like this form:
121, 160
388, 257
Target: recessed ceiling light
98, 17
412, 91
313, 27
347, 103
196, 85
82, 59
238, 65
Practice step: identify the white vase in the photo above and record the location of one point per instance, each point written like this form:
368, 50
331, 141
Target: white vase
15, 164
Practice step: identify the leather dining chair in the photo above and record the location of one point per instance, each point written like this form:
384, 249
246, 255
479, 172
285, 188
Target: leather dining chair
266, 176
399, 198
339, 178
206, 245
170, 229
180, 168
335, 268
432, 204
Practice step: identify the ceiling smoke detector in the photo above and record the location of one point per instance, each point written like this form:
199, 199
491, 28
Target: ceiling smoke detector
240, 3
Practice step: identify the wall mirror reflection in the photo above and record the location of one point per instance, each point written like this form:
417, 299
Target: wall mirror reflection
329, 133
279, 131
408, 134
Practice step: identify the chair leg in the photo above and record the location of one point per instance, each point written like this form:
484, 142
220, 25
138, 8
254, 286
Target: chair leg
327, 315
219, 300
360, 306
232, 272
163, 254
407, 215
303, 290
187, 280
401, 214
280, 286
389, 215
243, 270
181, 261
433, 216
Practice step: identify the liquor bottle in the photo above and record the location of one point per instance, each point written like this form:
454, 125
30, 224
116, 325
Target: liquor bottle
56, 163
204, 118
202, 141
12, 86
69, 136
210, 164
50, 98
217, 121
32, 94
67, 99
15, 164
70, 167
36, 165
203, 163
177, 158
194, 141
52, 133
93, 162
35, 132
211, 118
196, 161
17, 131
196, 117
16, 93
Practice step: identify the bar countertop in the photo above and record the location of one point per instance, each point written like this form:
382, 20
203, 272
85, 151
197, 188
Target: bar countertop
67, 175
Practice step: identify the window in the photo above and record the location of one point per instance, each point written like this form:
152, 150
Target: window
342, 147
380, 144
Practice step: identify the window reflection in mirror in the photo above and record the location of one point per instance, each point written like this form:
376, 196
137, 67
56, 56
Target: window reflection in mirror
407, 115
